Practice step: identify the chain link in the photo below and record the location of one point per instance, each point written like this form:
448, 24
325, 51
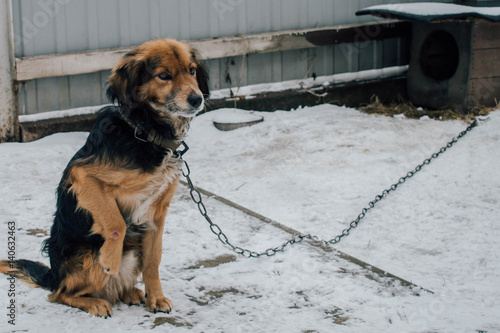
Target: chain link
216, 230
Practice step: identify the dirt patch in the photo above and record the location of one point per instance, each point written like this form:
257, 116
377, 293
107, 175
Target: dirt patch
213, 295
411, 111
337, 315
174, 321
37, 232
223, 259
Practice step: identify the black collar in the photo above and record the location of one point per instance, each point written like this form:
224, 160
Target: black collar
152, 136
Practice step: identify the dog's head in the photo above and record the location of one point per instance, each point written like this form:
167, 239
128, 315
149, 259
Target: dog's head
164, 73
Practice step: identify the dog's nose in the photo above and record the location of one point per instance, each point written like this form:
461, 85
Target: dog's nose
195, 100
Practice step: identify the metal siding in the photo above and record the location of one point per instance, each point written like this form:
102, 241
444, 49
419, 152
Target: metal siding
321, 58
108, 23
257, 24
293, 63
56, 26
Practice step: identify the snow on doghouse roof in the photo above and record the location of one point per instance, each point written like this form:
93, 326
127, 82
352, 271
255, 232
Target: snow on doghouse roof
431, 11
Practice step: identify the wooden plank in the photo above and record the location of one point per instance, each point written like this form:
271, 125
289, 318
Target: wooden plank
486, 35
485, 63
483, 92
9, 122
67, 64
93, 61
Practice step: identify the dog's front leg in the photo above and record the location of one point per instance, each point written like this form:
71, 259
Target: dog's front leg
151, 252
155, 299
93, 196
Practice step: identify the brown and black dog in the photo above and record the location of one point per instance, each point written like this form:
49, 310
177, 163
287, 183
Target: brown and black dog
114, 194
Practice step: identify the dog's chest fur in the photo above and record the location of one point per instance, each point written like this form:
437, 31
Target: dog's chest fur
137, 207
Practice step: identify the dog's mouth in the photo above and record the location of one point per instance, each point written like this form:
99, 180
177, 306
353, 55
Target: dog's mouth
169, 108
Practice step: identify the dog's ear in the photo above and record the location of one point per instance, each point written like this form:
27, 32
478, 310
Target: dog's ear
119, 82
202, 79
126, 78
201, 75
116, 90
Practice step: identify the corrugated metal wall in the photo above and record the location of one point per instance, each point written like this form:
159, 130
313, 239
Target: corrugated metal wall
59, 26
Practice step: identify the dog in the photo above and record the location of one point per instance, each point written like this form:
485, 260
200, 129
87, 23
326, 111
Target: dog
114, 194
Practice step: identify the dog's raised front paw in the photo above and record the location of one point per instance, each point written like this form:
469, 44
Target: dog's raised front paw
110, 256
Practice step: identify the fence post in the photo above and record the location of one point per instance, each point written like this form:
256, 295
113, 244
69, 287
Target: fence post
9, 120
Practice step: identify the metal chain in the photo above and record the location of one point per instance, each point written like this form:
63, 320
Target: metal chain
401, 180
196, 197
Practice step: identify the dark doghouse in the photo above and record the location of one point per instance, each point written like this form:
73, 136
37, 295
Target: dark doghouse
455, 53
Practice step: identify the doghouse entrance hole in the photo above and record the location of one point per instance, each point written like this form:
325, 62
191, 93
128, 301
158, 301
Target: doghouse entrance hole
439, 55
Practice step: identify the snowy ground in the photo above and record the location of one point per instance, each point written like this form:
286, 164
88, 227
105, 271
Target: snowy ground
313, 170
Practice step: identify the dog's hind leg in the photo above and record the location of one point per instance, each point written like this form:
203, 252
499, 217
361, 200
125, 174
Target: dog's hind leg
95, 306
133, 296
82, 283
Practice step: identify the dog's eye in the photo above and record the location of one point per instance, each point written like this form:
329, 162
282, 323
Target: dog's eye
192, 70
165, 76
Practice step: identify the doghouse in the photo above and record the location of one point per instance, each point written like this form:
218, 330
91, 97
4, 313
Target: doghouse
455, 53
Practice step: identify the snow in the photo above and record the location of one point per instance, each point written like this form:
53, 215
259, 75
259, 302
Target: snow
432, 10
60, 113
313, 170
309, 83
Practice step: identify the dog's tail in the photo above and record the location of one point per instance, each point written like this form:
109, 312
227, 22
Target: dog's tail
34, 273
